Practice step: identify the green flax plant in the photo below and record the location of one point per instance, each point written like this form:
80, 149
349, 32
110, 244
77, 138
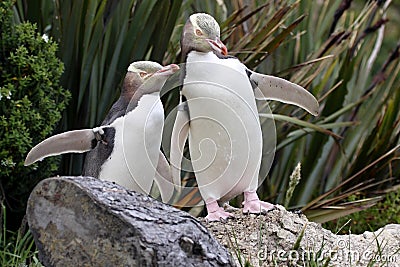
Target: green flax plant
347, 56
16, 248
359, 106
98, 40
345, 52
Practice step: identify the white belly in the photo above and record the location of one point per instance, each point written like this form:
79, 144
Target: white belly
134, 159
225, 138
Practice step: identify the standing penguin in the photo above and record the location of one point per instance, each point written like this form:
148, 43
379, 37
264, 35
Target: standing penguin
125, 149
225, 138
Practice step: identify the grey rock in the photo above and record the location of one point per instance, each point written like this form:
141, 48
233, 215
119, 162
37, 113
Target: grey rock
82, 221
271, 240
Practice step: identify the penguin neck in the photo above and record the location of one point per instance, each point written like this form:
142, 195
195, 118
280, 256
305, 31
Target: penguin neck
186, 41
206, 56
147, 106
210, 68
200, 54
191, 56
133, 89
188, 49
136, 99
132, 83
196, 56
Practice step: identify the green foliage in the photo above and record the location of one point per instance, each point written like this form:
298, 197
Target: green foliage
347, 57
386, 211
16, 248
350, 62
31, 102
98, 40
354, 102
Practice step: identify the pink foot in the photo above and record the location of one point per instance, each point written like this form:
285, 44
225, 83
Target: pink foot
216, 213
252, 204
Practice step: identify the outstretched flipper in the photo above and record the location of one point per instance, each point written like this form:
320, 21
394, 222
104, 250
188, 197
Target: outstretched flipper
179, 135
163, 178
78, 141
274, 88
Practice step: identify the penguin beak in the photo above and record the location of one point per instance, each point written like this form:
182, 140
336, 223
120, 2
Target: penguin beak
168, 70
218, 46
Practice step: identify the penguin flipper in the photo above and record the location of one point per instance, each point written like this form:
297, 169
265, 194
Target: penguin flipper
179, 135
78, 141
275, 88
163, 178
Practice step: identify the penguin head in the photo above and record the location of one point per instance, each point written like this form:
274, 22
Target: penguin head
202, 33
148, 76
143, 70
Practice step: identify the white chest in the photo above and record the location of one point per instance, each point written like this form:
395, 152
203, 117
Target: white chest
149, 113
225, 138
141, 125
208, 75
137, 142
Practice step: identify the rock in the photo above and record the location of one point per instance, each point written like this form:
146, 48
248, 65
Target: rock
82, 221
270, 240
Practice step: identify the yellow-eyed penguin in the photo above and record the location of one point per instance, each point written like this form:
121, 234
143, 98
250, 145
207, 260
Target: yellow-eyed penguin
221, 119
125, 149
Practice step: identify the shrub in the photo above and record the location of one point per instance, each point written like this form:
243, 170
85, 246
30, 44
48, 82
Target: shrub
31, 102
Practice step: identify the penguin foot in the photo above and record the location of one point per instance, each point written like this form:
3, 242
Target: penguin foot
219, 215
257, 207
216, 213
252, 204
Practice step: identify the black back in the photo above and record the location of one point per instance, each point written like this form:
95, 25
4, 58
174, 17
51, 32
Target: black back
96, 157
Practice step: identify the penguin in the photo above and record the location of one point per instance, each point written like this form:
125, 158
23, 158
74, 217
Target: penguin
125, 148
219, 116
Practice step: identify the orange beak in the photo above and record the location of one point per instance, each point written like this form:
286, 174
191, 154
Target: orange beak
218, 46
168, 70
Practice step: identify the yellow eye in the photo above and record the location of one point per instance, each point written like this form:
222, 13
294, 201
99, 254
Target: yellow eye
142, 74
199, 32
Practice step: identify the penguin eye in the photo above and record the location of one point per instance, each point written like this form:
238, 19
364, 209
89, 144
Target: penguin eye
199, 32
142, 74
